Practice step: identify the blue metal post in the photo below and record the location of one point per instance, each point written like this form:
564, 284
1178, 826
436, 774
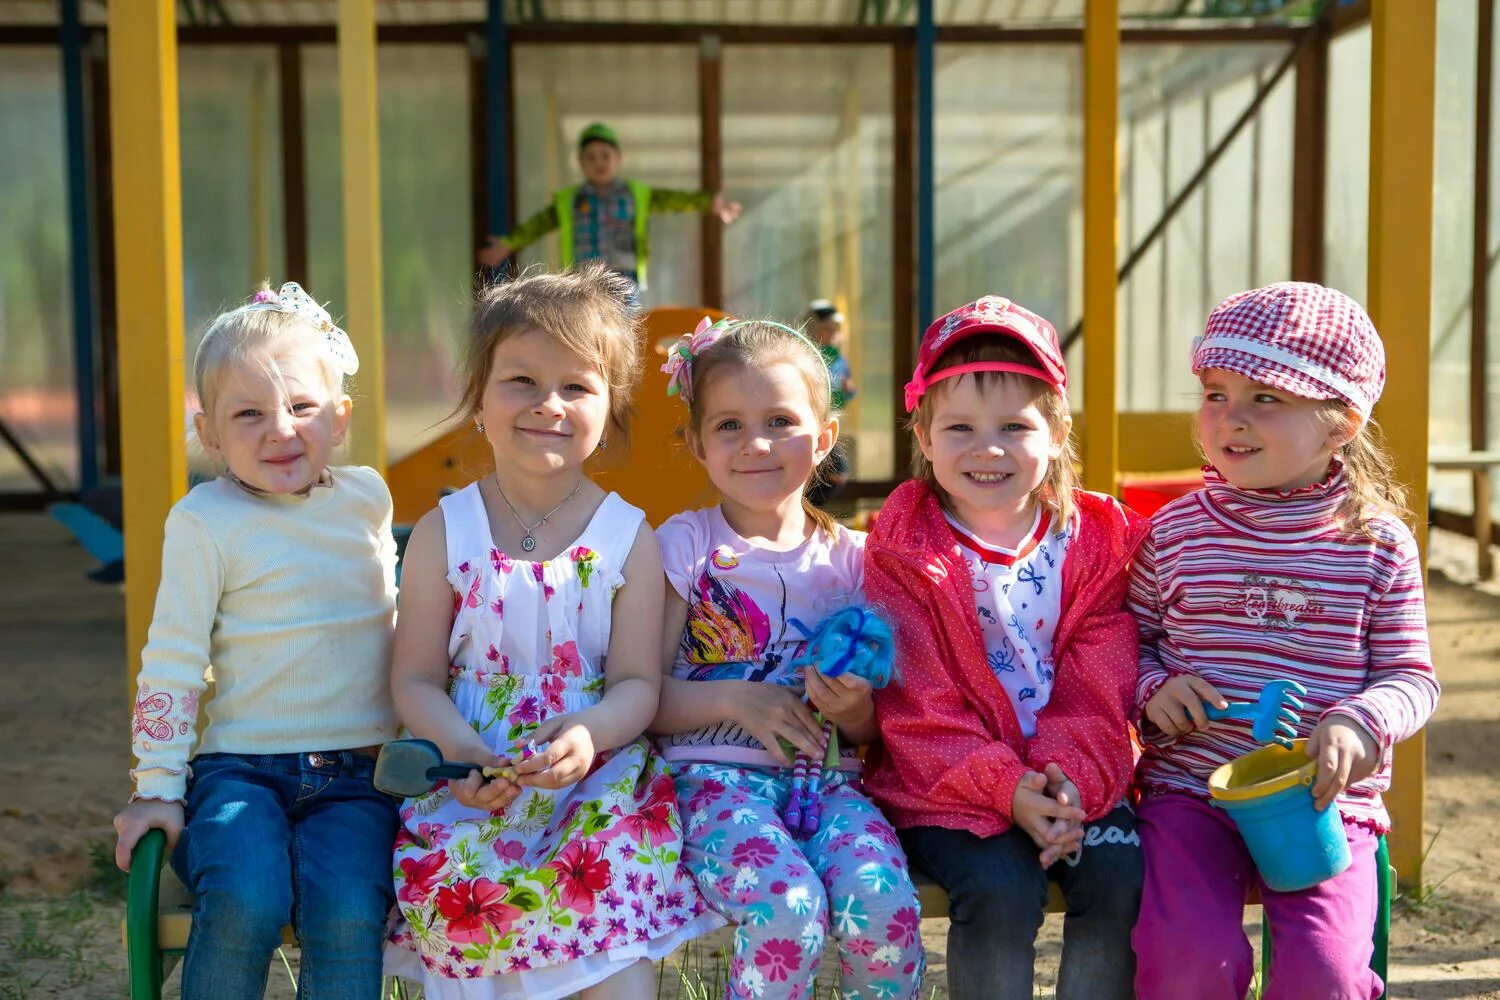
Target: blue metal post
926, 144
497, 118
81, 271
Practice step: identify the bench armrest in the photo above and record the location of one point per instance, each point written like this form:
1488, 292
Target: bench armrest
142, 897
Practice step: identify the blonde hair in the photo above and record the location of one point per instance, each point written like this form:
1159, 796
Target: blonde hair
1369, 469
586, 309
244, 336
1057, 486
761, 343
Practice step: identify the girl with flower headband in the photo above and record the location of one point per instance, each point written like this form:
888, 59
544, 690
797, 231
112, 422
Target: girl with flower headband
1293, 563
742, 574
530, 608
279, 575
1005, 754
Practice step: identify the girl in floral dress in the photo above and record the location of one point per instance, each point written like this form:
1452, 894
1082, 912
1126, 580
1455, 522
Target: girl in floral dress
742, 573
530, 610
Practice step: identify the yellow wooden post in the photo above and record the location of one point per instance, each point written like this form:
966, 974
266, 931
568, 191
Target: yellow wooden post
359, 132
1403, 42
1101, 63
148, 279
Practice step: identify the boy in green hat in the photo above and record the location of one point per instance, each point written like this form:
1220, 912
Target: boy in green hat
607, 215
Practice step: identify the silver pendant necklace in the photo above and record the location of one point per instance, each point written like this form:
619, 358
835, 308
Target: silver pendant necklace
529, 542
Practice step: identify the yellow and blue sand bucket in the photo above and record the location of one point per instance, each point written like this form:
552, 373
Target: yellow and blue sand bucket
1268, 794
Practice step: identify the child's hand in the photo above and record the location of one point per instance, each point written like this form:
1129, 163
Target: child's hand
489, 795
1346, 753
1035, 812
1064, 836
727, 211
494, 252
476, 791
844, 699
141, 815
772, 713
567, 757
1177, 706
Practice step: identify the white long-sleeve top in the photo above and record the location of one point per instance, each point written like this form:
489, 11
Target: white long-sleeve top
1243, 587
288, 605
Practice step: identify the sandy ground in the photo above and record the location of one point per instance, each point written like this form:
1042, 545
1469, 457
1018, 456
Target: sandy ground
66, 715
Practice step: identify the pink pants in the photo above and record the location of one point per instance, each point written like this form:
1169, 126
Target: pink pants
1190, 942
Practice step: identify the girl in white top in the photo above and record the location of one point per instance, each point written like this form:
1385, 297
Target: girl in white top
531, 606
278, 577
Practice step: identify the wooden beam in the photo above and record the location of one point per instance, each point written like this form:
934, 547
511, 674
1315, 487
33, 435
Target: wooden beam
293, 164
359, 132
146, 164
1309, 157
1101, 102
710, 166
904, 329
1403, 45
104, 248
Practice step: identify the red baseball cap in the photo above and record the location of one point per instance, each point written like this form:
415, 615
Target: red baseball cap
990, 314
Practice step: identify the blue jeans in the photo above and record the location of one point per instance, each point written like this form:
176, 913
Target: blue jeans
278, 838
997, 898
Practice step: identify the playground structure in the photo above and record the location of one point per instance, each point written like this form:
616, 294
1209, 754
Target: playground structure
1110, 230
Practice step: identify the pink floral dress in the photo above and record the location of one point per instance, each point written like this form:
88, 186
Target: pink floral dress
562, 888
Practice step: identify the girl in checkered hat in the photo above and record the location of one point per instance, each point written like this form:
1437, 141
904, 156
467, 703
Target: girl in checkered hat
1292, 563
1006, 756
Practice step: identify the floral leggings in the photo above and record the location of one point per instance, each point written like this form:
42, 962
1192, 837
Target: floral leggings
849, 880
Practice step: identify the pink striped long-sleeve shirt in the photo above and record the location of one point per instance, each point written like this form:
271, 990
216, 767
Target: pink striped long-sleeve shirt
1242, 587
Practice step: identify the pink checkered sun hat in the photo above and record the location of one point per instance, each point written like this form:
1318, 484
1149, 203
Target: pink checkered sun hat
1302, 338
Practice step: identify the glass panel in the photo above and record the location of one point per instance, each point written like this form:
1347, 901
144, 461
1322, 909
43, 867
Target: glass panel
1492, 325
232, 233
425, 209
37, 398
1009, 178
1452, 241
649, 95
1346, 184
1232, 233
808, 150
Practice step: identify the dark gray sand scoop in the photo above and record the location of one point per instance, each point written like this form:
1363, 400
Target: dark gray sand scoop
412, 767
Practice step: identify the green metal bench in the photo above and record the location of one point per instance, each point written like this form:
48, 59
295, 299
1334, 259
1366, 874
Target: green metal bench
159, 916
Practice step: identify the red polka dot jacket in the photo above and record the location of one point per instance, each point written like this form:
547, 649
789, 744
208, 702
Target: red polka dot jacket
951, 751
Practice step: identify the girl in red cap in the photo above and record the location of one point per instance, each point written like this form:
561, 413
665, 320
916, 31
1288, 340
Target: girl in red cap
1293, 563
1006, 753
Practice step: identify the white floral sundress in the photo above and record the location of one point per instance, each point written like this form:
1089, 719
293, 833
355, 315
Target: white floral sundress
562, 888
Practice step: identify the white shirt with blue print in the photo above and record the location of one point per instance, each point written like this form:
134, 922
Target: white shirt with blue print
1018, 597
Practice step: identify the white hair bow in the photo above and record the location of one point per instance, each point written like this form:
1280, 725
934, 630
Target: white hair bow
292, 299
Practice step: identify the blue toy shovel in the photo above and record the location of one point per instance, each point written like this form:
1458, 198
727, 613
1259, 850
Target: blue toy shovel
1274, 715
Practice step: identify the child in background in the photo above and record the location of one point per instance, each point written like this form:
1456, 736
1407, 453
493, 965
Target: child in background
279, 576
759, 420
1293, 563
530, 613
825, 326
1005, 755
606, 218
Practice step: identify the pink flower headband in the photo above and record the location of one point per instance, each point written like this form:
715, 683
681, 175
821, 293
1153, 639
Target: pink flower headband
680, 357
292, 299
685, 352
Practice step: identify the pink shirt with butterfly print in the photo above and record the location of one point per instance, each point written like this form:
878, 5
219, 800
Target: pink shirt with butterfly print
742, 600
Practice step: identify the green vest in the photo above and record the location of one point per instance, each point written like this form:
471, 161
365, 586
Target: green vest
562, 201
